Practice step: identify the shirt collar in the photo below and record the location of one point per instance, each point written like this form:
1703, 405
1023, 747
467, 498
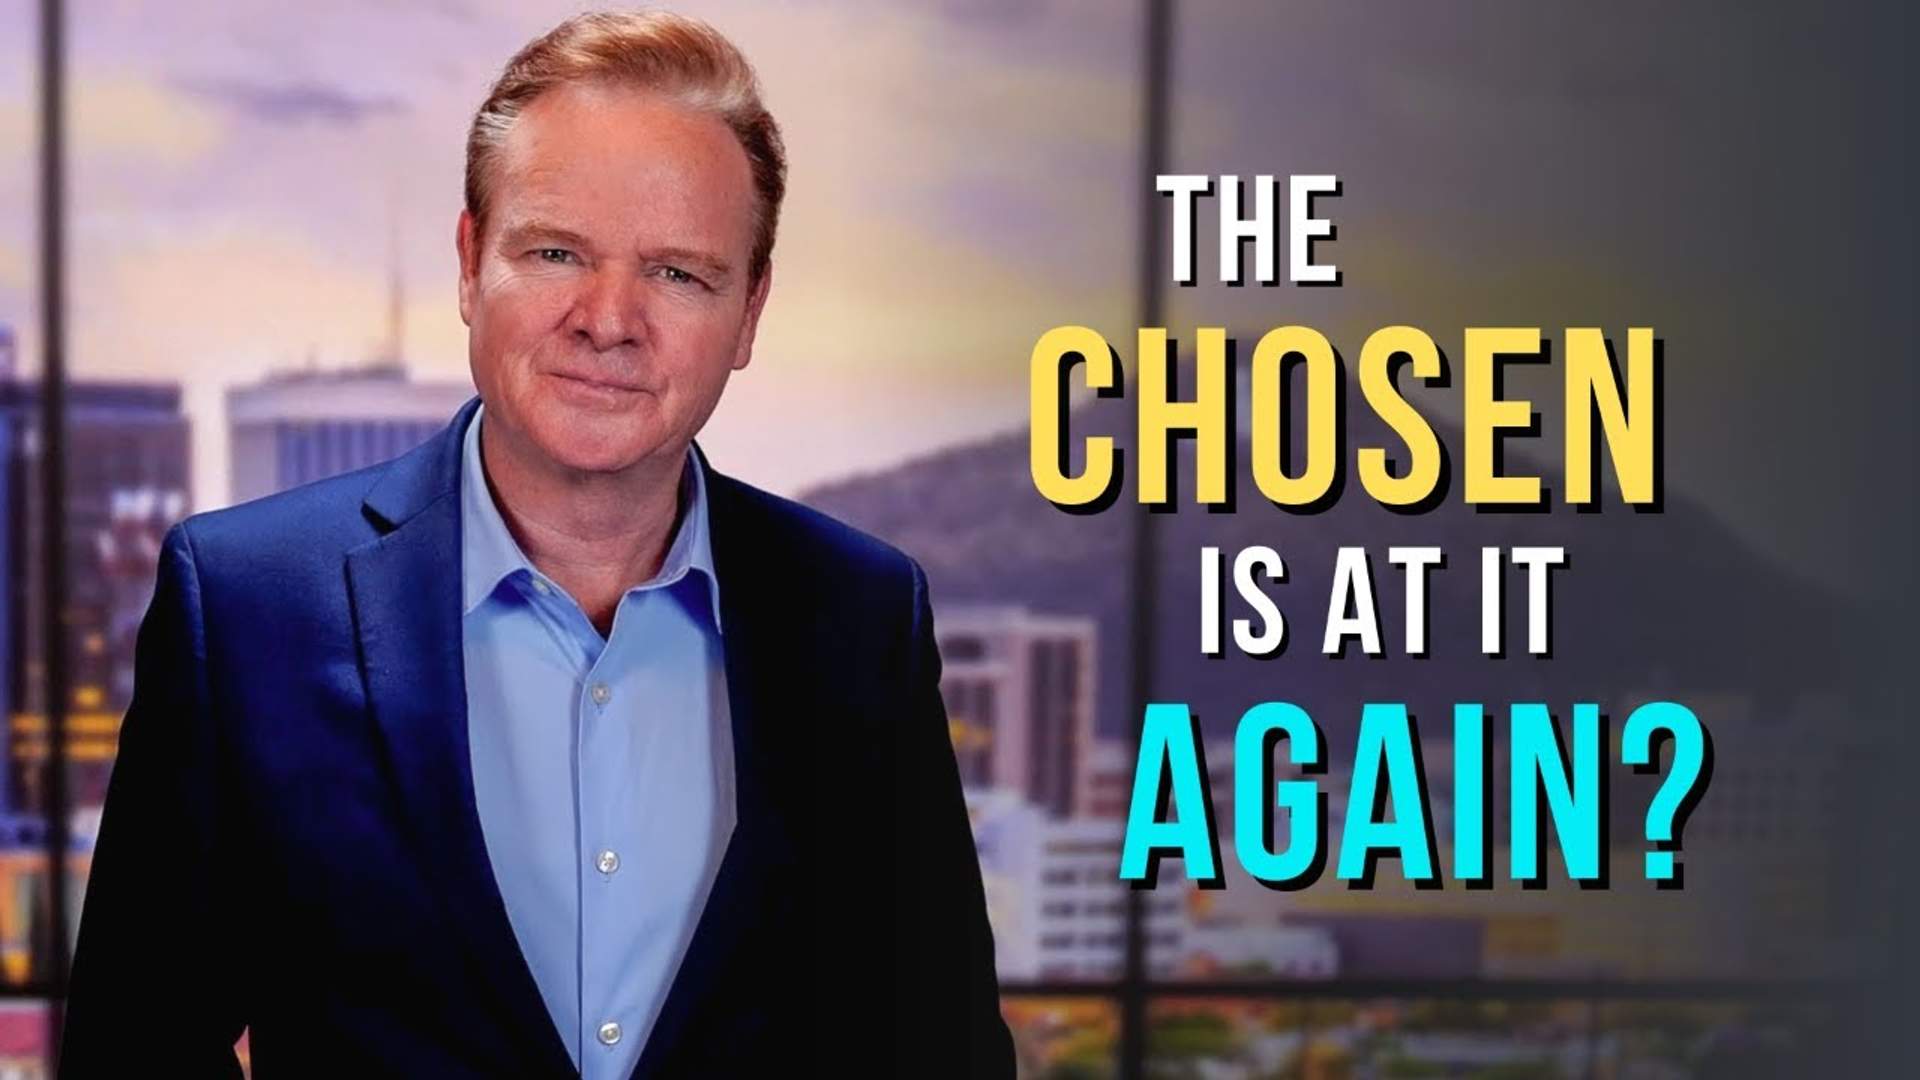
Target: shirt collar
489, 553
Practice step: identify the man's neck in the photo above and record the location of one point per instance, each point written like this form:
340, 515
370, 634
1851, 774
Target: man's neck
595, 534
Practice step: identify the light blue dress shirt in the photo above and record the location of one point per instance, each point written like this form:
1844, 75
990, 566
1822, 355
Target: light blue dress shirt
603, 768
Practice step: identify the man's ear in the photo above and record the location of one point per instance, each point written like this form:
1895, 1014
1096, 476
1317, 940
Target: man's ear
466, 241
756, 302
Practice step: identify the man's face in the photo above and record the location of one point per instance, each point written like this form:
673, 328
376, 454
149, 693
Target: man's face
607, 297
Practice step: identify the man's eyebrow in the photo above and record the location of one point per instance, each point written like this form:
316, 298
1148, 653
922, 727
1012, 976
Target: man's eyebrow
712, 264
528, 233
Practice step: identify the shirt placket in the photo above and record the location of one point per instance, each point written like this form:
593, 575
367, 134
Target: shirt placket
604, 856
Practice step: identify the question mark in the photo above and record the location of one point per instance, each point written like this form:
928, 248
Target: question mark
1684, 785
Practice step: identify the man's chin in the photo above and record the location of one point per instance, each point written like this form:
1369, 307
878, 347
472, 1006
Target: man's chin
576, 448
571, 429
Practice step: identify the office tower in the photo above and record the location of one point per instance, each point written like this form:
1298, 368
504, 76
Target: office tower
126, 482
295, 427
1019, 694
1057, 906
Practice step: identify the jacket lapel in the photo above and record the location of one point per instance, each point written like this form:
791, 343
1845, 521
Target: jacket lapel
760, 852
405, 588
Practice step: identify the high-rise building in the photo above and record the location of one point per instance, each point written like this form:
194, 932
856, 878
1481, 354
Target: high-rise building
1055, 898
1082, 903
1109, 768
127, 461
299, 426
1018, 687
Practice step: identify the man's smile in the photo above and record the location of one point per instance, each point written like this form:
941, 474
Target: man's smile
596, 387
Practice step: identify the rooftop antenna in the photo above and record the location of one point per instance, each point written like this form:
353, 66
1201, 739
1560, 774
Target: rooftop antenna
396, 284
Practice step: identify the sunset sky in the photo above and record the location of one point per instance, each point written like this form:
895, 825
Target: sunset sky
964, 178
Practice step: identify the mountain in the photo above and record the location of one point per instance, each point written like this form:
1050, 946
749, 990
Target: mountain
1650, 604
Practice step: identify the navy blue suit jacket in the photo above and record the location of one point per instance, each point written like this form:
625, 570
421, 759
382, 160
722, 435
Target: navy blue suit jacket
290, 842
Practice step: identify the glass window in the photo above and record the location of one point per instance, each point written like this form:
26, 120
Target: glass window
270, 202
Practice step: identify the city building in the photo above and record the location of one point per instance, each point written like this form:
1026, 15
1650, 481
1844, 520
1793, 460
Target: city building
1109, 768
1082, 905
294, 427
1006, 831
1018, 687
1055, 897
127, 464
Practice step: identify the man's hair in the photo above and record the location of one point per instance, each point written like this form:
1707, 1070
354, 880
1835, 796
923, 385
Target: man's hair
683, 59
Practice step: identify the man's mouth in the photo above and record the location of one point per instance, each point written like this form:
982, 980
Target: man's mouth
597, 383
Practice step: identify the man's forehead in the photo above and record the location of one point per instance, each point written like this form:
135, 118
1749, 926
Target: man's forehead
582, 149
578, 125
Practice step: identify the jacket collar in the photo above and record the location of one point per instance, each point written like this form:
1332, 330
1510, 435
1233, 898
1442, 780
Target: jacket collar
406, 589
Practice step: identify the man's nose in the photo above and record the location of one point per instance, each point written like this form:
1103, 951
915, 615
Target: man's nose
608, 312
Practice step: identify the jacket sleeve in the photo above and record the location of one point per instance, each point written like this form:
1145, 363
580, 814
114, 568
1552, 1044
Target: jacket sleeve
951, 998
153, 988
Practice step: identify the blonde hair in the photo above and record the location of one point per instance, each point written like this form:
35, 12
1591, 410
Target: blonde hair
682, 58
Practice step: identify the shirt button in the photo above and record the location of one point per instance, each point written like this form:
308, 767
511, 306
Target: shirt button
540, 587
601, 692
609, 1033
608, 862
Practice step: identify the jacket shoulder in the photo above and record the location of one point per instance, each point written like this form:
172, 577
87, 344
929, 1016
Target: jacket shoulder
832, 552
298, 526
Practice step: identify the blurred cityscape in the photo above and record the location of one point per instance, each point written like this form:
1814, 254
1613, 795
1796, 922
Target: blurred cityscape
1031, 607
1040, 738
236, 172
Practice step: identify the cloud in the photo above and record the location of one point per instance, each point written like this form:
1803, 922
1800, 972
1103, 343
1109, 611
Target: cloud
953, 196
292, 102
117, 118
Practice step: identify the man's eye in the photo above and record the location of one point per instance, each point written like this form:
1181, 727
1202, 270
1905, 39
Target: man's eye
678, 276
553, 255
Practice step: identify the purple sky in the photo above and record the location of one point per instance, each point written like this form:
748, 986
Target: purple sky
963, 179
241, 173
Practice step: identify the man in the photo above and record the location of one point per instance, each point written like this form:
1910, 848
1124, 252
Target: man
546, 748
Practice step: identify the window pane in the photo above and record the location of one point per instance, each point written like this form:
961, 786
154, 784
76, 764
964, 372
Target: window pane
272, 202
25, 926
983, 198
1487, 160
